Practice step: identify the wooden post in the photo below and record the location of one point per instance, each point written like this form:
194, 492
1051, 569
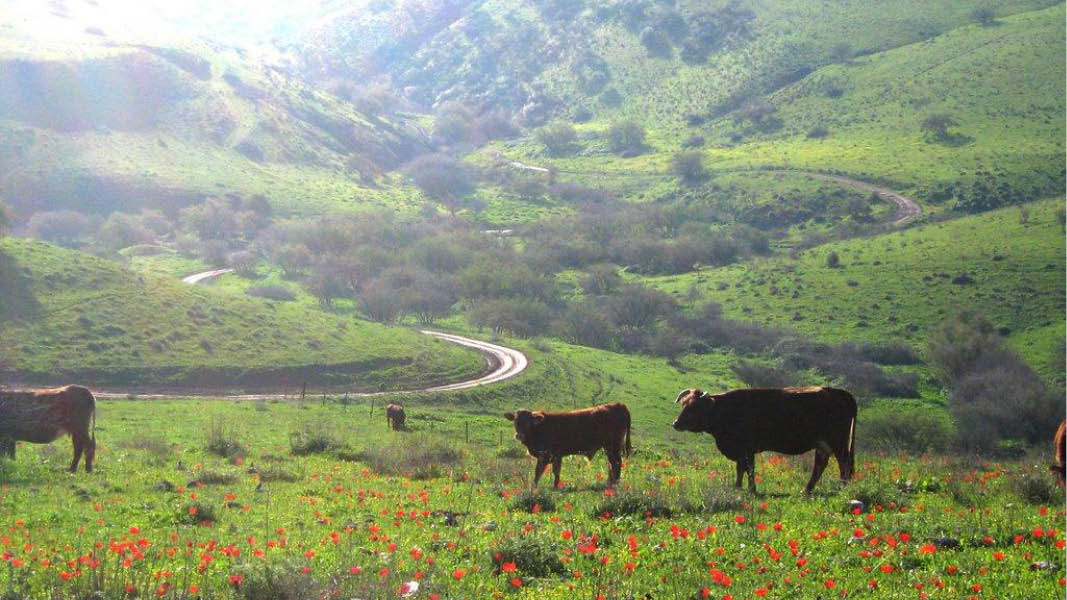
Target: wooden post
324, 398
466, 431
303, 392
371, 413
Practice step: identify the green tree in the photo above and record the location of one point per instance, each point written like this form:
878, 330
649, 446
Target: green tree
5, 219
626, 136
557, 137
938, 124
443, 179
984, 15
689, 165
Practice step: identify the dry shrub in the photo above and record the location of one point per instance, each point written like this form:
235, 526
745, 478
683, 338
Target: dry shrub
222, 441
417, 457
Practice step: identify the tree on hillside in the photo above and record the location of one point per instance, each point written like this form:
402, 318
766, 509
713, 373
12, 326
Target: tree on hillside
443, 179
656, 42
843, 53
938, 124
557, 137
984, 15
454, 124
689, 165
63, 227
626, 136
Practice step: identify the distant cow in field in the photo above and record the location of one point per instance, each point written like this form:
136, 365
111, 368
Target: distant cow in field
1059, 445
394, 415
791, 421
549, 436
41, 416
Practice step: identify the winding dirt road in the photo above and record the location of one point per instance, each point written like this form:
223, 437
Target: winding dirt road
504, 363
907, 209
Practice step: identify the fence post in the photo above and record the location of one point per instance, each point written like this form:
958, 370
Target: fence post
467, 431
371, 413
303, 392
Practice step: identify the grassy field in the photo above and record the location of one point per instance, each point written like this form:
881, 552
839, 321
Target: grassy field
898, 286
442, 508
70, 315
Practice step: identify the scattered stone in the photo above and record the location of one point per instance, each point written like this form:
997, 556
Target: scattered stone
165, 486
854, 505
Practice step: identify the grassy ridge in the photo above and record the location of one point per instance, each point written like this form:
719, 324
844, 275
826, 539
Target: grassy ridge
898, 286
71, 313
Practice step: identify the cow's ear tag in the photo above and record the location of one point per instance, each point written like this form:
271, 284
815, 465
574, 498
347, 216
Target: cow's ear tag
509, 416
538, 418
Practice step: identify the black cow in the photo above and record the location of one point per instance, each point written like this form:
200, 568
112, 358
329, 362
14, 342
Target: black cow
791, 421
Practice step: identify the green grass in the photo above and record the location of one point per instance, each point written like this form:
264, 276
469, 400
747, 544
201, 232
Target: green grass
307, 525
73, 316
898, 286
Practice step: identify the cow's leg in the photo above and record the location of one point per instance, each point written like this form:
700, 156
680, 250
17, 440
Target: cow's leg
822, 457
740, 472
542, 462
843, 464
751, 468
90, 454
557, 464
79, 446
614, 465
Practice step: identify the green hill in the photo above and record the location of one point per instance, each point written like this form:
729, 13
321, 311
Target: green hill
68, 316
900, 286
102, 118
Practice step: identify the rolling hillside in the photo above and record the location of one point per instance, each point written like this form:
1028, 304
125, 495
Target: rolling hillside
96, 115
69, 316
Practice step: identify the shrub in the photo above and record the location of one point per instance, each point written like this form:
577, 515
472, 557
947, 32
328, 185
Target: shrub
557, 137
818, 132
196, 513
656, 42
889, 353
833, 260
532, 556
223, 442
62, 227
277, 292
875, 490
272, 472
757, 374
626, 136
896, 427
630, 502
283, 580
417, 457
527, 500
1037, 488
513, 451
215, 477
984, 15
315, 437
689, 165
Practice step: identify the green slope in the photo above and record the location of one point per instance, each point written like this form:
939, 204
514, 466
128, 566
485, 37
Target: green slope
899, 286
70, 316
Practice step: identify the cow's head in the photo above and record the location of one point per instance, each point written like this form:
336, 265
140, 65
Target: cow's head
525, 422
696, 410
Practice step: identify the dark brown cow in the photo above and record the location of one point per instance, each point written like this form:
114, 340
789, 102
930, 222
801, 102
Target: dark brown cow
1059, 446
549, 436
41, 416
394, 414
791, 421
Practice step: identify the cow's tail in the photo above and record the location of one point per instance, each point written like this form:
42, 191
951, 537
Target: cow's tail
629, 447
852, 448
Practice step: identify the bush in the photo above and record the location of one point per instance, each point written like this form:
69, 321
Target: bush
558, 138
533, 557
196, 513
722, 499
63, 227
271, 473
626, 136
283, 580
1037, 488
277, 292
527, 501
889, 353
875, 490
911, 429
630, 502
818, 132
417, 457
689, 165
833, 260
214, 477
756, 374
315, 437
223, 442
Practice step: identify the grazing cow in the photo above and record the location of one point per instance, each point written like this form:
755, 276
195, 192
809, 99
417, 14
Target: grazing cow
549, 436
1059, 445
791, 421
394, 414
41, 416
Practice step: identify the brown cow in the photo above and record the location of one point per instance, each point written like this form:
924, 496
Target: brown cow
791, 421
1059, 446
41, 416
394, 415
549, 436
